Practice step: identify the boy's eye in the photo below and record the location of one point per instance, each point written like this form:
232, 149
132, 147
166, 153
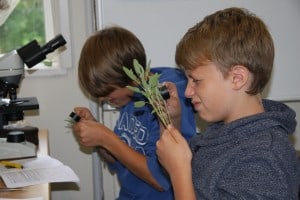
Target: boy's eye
196, 80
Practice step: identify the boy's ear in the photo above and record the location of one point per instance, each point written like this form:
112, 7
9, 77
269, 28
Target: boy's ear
239, 75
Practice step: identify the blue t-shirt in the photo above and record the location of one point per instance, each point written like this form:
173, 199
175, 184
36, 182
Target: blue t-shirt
139, 128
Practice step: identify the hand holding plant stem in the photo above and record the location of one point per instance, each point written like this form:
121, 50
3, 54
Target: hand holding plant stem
148, 85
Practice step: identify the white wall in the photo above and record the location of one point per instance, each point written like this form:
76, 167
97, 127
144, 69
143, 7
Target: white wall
58, 95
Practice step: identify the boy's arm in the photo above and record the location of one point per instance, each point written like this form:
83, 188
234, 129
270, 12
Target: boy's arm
175, 155
91, 134
107, 157
182, 184
131, 159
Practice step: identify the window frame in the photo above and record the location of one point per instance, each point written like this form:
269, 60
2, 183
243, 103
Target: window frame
61, 25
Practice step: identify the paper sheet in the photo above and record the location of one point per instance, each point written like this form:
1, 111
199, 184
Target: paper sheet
43, 169
35, 198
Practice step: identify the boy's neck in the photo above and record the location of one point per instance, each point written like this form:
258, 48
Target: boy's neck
249, 105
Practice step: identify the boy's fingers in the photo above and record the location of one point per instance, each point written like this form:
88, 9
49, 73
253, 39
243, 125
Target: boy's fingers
176, 135
171, 88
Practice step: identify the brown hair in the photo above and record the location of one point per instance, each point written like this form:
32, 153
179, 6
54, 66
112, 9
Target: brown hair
102, 59
229, 37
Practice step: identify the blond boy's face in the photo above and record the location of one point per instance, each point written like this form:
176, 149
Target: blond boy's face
210, 92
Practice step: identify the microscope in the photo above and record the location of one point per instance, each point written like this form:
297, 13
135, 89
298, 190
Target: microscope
11, 73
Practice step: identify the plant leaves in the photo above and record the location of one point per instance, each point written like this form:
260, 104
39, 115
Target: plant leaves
138, 68
147, 69
153, 80
148, 86
130, 74
139, 104
134, 89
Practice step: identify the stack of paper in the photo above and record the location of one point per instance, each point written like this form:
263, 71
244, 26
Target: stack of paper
43, 169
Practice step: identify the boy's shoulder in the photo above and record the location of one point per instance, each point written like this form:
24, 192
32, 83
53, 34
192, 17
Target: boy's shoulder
164, 69
169, 73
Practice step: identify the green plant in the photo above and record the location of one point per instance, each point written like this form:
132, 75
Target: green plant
70, 122
148, 85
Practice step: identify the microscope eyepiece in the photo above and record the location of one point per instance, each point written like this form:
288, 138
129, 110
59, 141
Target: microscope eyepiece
33, 54
53, 44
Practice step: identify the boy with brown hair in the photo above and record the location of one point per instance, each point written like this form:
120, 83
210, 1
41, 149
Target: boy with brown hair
245, 152
129, 149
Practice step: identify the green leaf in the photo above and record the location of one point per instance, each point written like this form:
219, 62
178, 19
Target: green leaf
139, 104
147, 69
130, 74
154, 80
134, 89
138, 68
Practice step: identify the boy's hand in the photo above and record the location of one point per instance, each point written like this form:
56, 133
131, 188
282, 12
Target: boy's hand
173, 104
90, 133
84, 113
173, 151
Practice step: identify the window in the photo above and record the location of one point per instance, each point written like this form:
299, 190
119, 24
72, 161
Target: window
39, 20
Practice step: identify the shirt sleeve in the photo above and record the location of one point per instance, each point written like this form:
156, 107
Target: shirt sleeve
114, 167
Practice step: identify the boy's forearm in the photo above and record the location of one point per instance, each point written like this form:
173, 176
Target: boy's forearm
106, 155
183, 185
131, 159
